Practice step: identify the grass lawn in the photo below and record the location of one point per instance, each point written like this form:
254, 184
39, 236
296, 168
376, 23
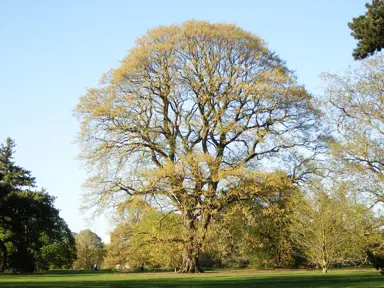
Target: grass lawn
238, 279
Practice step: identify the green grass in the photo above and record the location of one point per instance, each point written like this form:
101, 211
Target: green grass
255, 279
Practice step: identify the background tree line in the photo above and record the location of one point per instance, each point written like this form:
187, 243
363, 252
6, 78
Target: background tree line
323, 227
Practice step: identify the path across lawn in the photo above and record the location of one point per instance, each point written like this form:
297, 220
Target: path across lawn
237, 279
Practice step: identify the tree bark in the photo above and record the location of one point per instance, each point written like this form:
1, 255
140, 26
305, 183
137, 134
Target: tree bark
192, 246
3, 263
325, 266
190, 262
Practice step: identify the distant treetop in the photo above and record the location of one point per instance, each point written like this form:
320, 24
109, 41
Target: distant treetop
368, 30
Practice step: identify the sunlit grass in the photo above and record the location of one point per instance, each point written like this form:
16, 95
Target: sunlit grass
365, 278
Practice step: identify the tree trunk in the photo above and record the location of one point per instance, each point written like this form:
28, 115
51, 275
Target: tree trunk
190, 262
192, 246
4, 253
193, 243
325, 266
325, 260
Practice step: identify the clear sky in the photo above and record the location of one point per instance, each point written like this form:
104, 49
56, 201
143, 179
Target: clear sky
51, 51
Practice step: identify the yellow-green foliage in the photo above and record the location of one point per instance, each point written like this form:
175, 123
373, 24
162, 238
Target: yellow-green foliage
256, 231
89, 249
331, 227
187, 117
145, 236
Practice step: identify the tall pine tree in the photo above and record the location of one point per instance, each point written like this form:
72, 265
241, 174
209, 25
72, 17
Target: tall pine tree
12, 179
368, 30
32, 234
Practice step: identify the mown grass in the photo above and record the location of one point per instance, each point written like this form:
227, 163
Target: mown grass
366, 278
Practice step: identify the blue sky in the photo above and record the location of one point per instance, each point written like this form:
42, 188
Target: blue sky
51, 51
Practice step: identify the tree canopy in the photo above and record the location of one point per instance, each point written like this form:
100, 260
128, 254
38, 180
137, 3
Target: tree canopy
90, 250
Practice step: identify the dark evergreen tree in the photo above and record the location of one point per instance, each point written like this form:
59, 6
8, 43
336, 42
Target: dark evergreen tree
32, 234
13, 179
368, 30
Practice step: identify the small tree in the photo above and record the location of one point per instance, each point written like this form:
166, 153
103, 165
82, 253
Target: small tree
329, 227
145, 235
58, 249
90, 250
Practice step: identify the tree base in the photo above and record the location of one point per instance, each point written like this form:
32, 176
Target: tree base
191, 271
190, 265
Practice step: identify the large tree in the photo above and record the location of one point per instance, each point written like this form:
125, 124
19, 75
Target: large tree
28, 220
12, 178
188, 119
368, 30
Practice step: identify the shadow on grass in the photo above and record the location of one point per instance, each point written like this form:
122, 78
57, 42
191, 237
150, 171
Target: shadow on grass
56, 273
